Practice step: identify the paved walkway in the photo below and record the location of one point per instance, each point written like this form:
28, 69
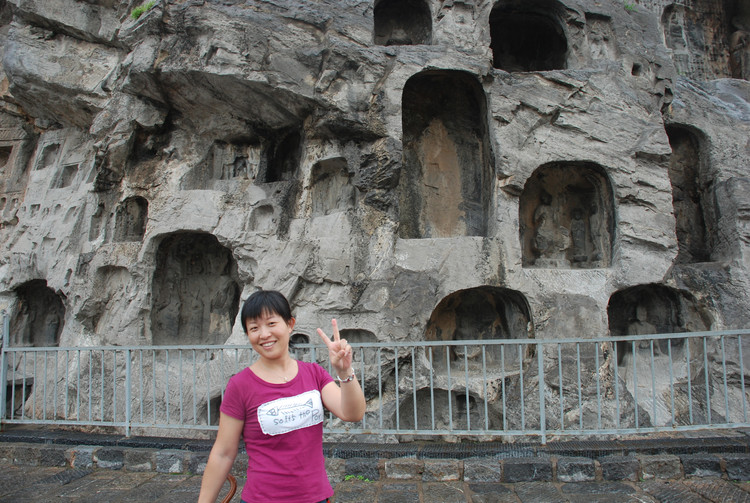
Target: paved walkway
19, 484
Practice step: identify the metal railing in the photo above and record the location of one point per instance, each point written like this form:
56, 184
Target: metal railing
477, 388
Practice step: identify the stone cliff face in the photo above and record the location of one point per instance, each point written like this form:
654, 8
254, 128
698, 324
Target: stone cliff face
422, 169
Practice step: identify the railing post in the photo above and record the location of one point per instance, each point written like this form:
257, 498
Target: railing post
127, 392
542, 411
4, 365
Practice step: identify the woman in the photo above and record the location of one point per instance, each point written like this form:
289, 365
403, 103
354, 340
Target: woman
276, 405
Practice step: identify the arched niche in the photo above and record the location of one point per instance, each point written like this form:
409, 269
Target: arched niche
566, 215
195, 290
5, 153
402, 22
445, 180
283, 157
482, 313
688, 195
131, 218
360, 336
331, 191
653, 309
224, 162
39, 317
444, 409
659, 373
48, 156
527, 36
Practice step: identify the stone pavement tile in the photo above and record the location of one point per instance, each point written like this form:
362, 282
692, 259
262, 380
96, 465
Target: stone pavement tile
153, 489
485, 492
355, 491
193, 484
604, 492
403, 492
719, 491
12, 478
444, 492
31, 486
189, 490
672, 492
597, 488
539, 492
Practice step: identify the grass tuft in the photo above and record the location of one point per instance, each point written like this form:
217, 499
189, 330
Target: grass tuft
141, 9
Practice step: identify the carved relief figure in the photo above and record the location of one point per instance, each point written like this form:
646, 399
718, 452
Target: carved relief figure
739, 43
551, 240
578, 236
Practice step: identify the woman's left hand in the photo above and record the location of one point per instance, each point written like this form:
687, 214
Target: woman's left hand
339, 351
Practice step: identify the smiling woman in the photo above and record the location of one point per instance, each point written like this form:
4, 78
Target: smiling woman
276, 405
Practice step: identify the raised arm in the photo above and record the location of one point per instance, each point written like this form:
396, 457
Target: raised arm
347, 401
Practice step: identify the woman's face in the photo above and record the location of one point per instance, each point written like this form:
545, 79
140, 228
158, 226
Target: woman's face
269, 335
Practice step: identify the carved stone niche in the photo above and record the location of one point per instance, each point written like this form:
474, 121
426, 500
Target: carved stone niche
445, 182
223, 164
48, 156
483, 313
653, 309
527, 36
195, 291
567, 217
402, 22
131, 218
5, 152
688, 195
654, 371
331, 191
39, 316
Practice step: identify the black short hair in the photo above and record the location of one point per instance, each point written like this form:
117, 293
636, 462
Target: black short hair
265, 302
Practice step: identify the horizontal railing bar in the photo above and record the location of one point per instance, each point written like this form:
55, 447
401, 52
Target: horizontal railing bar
403, 344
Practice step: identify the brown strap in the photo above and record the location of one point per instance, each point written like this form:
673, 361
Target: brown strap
232, 489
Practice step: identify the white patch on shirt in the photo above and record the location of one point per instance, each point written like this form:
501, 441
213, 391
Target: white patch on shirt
291, 413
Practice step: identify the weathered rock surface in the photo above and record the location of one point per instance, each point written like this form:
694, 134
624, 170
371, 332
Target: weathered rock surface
424, 176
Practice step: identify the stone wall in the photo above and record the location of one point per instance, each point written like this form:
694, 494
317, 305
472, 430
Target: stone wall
541, 168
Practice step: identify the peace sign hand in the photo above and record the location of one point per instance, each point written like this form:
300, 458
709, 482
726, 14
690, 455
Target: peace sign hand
339, 351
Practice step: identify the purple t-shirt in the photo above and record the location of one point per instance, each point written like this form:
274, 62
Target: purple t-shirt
283, 435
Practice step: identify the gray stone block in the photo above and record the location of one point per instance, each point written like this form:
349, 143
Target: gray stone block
367, 468
139, 460
737, 466
527, 469
171, 461
197, 462
575, 469
81, 456
661, 467
38, 455
112, 458
701, 465
441, 470
482, 470
620, 468
404, 468
336, 470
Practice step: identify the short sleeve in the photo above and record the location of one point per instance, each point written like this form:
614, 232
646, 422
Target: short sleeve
233, 404
322, 376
